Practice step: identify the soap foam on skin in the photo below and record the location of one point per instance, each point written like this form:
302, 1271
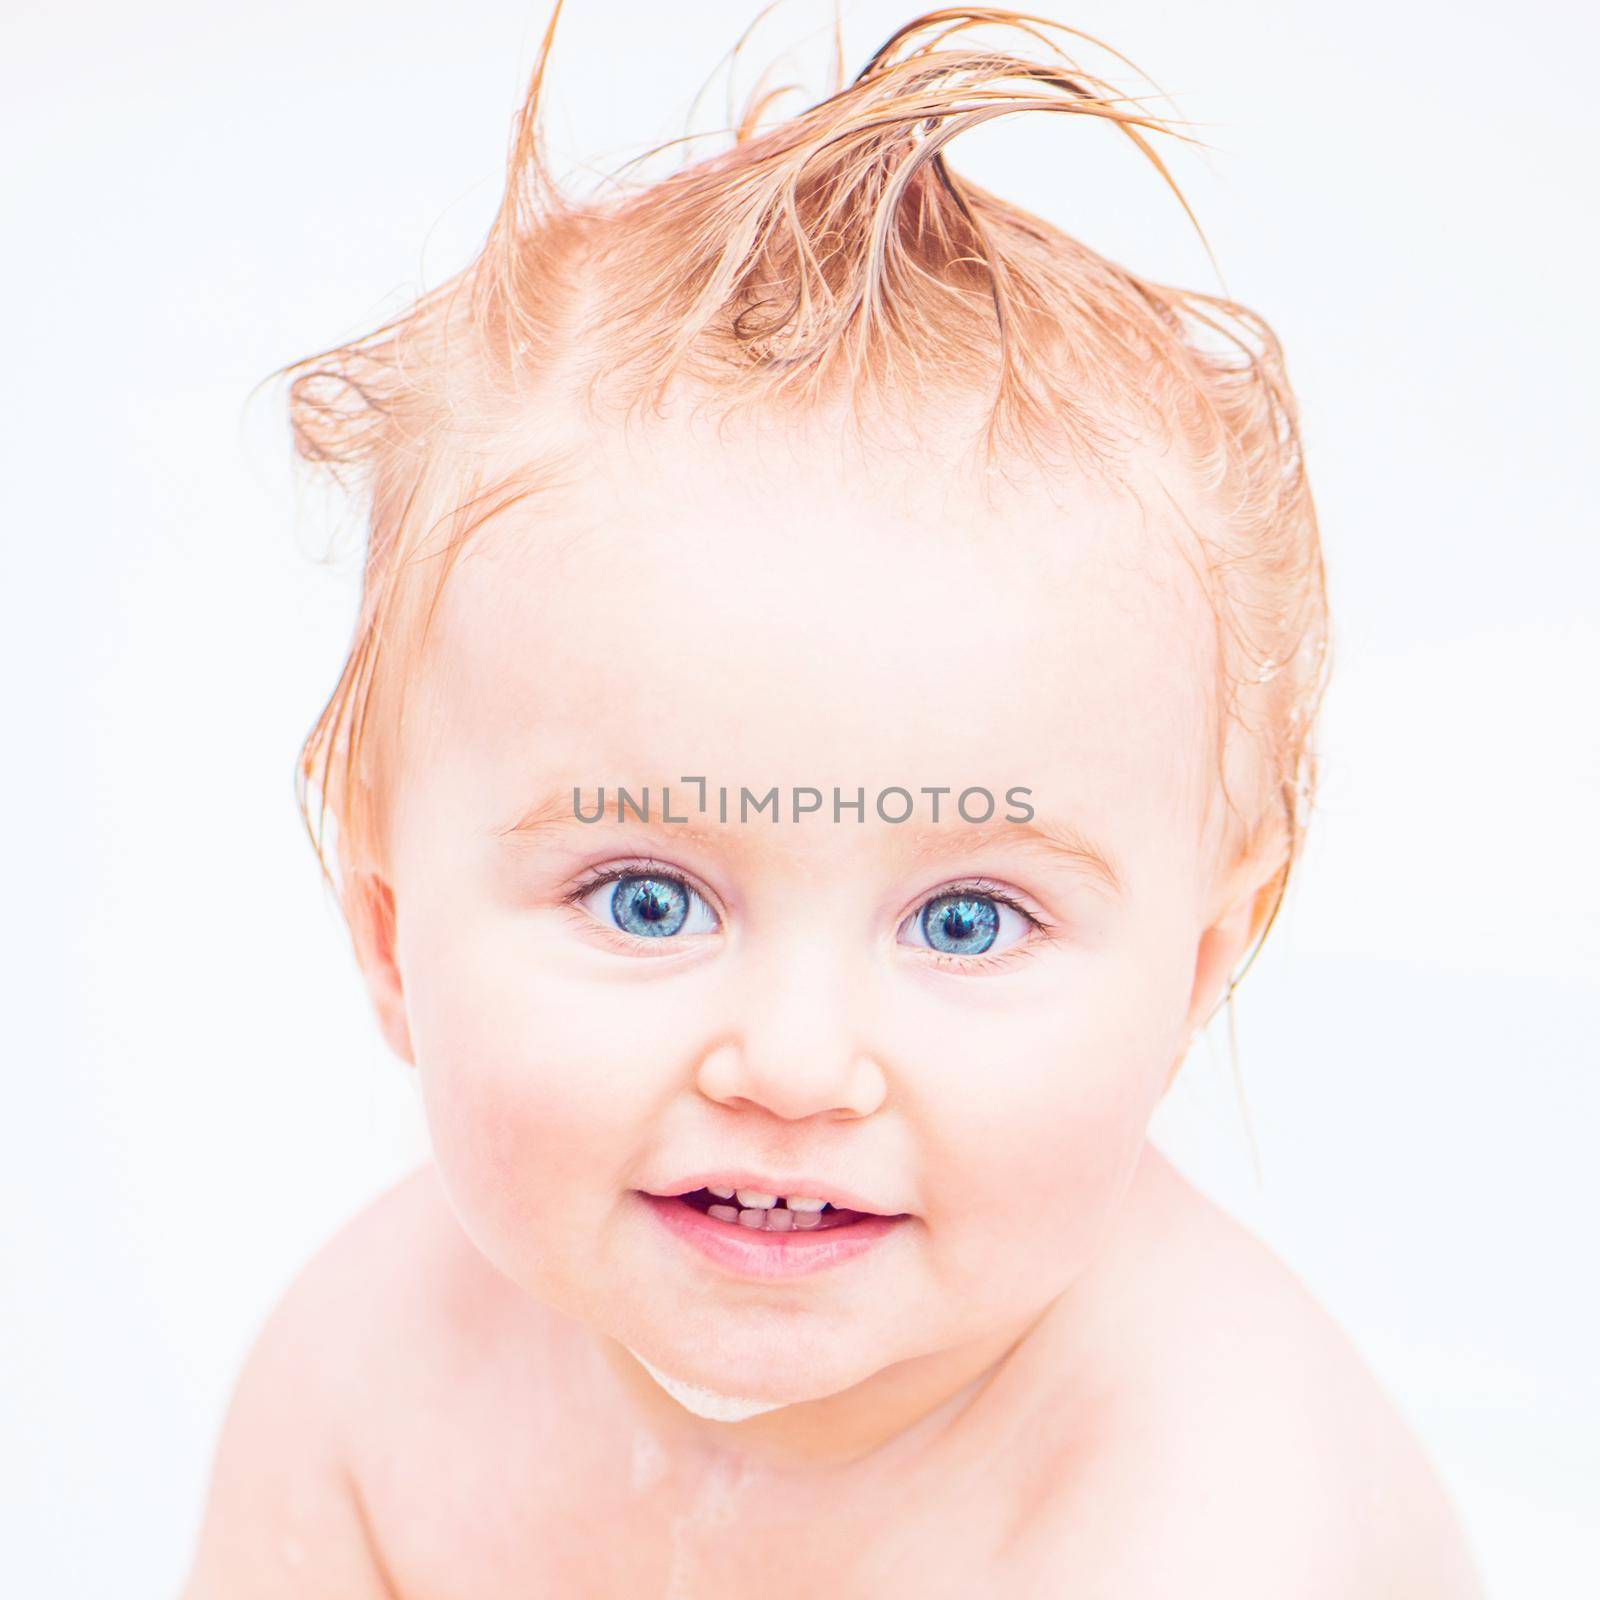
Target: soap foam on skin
705, 1402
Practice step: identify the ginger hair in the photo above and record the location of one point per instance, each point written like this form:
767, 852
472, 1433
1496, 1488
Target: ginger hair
832, 253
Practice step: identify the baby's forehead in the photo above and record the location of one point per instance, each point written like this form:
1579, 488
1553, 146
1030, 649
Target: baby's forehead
753, 503
925, 479
815, 611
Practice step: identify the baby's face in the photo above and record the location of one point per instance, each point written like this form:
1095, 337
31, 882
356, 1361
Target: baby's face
959, 1024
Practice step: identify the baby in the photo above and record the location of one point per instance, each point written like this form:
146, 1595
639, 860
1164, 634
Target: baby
830, 714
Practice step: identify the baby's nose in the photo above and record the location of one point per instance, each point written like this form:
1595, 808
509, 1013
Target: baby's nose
797, 1048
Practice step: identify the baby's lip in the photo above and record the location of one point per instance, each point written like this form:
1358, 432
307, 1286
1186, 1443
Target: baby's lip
836, 1194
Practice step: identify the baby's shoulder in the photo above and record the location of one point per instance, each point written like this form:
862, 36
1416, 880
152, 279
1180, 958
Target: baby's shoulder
403, 1304
1247, 1446
437, 1370
395, 1334
288, 1510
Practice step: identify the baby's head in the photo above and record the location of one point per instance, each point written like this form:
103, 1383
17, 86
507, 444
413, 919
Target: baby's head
948, 602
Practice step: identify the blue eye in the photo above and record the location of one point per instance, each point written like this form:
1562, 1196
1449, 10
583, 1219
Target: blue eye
649, 905
961, 925
653, 907
965, 923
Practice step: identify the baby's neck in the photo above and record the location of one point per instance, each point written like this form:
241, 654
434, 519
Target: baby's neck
901, 1409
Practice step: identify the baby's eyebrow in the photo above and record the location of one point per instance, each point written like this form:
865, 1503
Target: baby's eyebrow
1062, 841
558, 811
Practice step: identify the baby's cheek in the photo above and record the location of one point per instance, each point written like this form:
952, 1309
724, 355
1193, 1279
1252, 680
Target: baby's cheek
530, 1104
1031, 1142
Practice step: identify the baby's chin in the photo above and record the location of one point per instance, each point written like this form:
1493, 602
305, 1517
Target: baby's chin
716, 1405
703, 1402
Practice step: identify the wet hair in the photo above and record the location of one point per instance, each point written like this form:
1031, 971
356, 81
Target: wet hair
832, 257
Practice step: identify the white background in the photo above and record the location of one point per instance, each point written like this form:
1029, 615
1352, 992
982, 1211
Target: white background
195, 1094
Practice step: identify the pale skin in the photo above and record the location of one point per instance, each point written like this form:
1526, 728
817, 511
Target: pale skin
1066, 1374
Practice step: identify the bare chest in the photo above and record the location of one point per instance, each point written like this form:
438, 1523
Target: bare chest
480, 1509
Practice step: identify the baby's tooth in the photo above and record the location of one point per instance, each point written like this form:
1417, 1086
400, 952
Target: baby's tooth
800, 1202
754, 1197
753, 1217
723, 1213
779, 1220
721, 1194
807, 1219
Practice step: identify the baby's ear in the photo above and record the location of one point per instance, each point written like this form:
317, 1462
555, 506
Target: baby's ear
370, 912
1239, 910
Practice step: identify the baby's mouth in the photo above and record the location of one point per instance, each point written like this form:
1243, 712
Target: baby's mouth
774, 1218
